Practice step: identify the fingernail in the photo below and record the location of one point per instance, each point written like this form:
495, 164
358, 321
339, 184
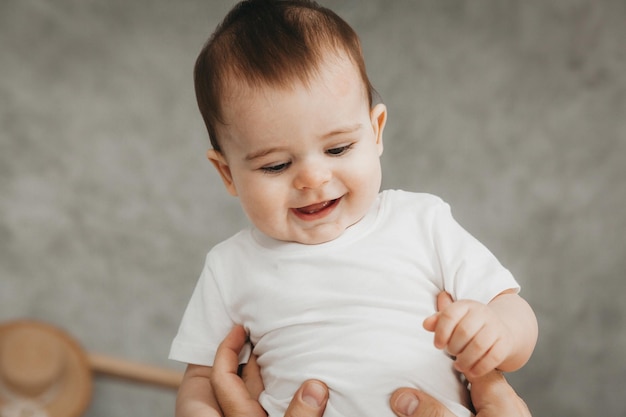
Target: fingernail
406, 403
314, 394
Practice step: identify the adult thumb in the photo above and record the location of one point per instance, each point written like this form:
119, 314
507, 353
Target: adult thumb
309, 401
408, 402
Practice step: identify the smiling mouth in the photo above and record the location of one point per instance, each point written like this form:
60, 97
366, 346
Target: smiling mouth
317, 208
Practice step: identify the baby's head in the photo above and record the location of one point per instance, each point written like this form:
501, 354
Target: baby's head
269, 43
283, 90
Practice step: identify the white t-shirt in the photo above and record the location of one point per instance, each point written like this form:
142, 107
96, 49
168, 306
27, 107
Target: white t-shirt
347, 312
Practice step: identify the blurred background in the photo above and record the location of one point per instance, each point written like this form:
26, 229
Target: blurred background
513, 112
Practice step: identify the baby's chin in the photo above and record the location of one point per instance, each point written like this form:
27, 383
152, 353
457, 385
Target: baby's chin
317, 235
317, 239
320, 240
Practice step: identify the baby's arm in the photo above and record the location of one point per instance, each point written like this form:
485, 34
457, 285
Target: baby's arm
500, 335
515, 312
195, 395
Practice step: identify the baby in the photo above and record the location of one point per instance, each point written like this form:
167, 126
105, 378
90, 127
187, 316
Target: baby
334, 280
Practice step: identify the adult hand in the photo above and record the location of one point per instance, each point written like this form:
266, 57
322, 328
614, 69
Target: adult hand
238, 396
491, 394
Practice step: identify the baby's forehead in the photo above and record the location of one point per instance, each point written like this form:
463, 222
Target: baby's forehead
327, 96
237, 86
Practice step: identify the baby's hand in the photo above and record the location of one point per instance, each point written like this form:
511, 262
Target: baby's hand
473, 333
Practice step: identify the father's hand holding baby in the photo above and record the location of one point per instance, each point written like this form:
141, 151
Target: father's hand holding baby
238, 395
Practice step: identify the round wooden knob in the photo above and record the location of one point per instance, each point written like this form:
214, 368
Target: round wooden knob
31, 361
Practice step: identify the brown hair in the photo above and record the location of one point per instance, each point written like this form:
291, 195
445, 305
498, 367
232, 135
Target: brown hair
270, 43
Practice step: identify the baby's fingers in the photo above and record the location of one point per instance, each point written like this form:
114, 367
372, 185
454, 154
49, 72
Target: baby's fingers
462, 337
446, 322
483, 354
430, 323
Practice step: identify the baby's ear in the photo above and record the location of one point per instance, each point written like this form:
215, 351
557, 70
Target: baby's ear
221, 165
378, 117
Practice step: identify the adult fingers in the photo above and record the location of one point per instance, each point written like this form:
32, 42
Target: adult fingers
309, 401
409, 402
229, 389
251, 376
492, 396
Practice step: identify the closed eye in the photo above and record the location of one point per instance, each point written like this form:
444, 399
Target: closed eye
339, 150
274, 169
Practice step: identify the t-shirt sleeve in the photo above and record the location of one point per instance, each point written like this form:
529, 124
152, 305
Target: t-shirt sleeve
469, 269
204, 325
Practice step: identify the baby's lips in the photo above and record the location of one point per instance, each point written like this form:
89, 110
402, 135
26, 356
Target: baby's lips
314, 208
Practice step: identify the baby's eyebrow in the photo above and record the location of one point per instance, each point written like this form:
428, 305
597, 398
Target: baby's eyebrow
343, 130
262, 152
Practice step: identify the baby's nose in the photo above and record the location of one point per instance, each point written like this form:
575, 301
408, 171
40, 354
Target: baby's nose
312, 175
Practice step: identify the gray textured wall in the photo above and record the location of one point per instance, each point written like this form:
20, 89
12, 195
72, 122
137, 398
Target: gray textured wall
515, 112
